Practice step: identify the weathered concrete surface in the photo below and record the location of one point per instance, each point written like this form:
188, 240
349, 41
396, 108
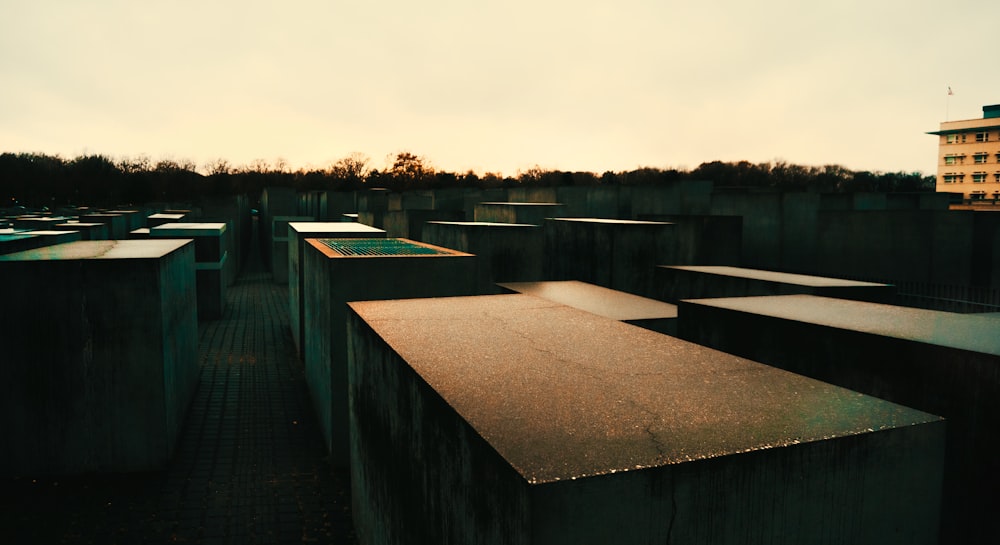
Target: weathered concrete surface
617, 305
505, 252
298, 232
703, 240
331, 279
530, 213
104, 385
88, 231
943, 363
212, 263
117, 223
410, 223
508, 419
673, 283
279, 241
154, 220
616, 254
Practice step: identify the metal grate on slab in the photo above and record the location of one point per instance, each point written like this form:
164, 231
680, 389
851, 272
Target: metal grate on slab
377, 247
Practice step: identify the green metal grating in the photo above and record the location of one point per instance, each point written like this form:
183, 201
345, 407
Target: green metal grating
377, 247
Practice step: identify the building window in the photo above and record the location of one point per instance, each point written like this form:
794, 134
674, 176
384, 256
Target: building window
954, 159
977, 195
982, 137
953, 178
955, 138
978, 177
996, 177
980, 158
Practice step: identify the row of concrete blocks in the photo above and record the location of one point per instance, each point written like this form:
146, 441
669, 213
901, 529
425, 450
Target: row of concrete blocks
516, 438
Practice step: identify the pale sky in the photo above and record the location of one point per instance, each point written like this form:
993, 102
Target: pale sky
496, 86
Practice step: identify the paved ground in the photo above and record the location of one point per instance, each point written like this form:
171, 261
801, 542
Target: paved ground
250, 466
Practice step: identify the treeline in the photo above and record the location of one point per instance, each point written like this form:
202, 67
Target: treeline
43, 180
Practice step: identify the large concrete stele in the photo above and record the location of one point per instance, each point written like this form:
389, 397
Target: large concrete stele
617, 305
101, 359
616, 254
673, 283
531, 213
939, 362
505, 252
508, 419
278, 244
298, 232
338, 271
212, 263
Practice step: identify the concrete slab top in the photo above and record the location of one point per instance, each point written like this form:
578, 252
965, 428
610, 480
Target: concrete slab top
614, 304
100, 249
80, 224
974, 332
561, 393
188, 229
485, 224
308, 227
166, 216
772, 276
49, 233
612, 221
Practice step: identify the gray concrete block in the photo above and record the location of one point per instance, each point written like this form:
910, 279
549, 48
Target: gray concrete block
298, 232
617, 305
616, 254
154, 220
938, 362
530, 213
341, 270
212, 263
278, 244
410, 223
88, 231
673, 283
117, 223
505, 419
505, 252
101, 362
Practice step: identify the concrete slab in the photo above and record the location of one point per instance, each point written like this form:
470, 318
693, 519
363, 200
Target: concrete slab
88, 231
508, 419
211, 255
673, 283
505, 252
531, 213
341, 270
104, 386
278, 244
117, 223
298, 232
616, 254
939, 362
617, 305
154, 220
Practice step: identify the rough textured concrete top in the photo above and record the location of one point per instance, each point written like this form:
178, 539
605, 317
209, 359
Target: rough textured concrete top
771, 276
332, 227
602, 301
561, 393
380, 248
100, 249
484, 224
188, 229
612, 221
975, 332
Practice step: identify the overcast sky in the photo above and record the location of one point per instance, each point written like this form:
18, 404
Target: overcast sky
496, 86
